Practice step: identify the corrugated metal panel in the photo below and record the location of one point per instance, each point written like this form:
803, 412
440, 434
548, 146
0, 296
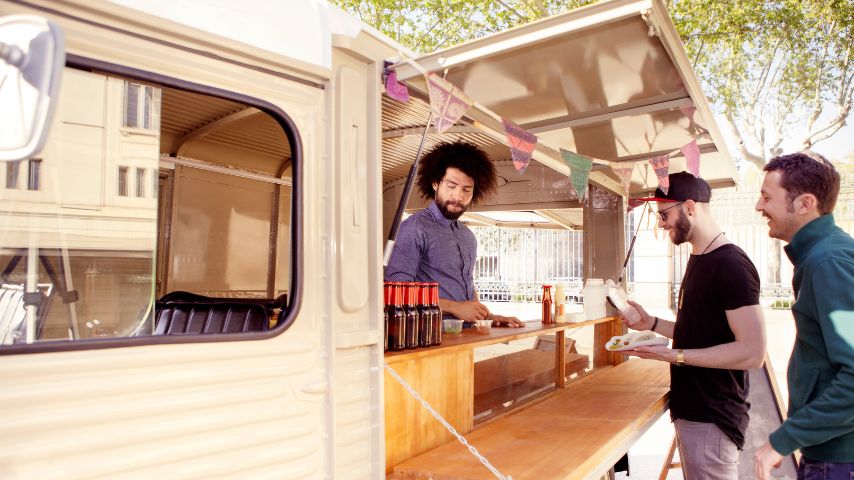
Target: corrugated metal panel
353, 422
153, 412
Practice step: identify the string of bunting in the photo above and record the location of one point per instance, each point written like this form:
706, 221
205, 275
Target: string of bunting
449, 103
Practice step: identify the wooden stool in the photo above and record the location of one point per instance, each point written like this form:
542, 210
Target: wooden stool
669, 464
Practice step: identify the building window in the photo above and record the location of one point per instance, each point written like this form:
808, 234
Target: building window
141, 106
123, 181
12, 169
35, 174
140, 182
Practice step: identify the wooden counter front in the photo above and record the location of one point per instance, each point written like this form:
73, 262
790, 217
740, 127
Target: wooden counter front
577, 433
444, 377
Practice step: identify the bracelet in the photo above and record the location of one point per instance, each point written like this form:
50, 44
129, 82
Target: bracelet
654, 324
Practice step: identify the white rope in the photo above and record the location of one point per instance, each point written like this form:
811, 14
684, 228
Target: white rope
447, 425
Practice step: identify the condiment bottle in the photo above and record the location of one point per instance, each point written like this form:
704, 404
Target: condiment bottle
386, 303
410, 314
547, 305
396, 320
425, 316
560, 304
437, 314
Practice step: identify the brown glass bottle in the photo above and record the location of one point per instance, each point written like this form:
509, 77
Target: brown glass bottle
437, 314
547, 305
410, 313
396, 319
386, 302
425, 316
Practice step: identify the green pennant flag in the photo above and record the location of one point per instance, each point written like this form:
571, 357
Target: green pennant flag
579, 171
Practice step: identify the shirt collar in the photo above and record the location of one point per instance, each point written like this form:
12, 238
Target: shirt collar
810, 234
437, 215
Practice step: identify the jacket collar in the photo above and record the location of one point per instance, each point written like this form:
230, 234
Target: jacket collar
810, 234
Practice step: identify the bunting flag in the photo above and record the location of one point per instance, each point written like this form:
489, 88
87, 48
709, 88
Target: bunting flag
634, 203
660, 164
395, 89
522, 143
692, 157
625, 175
447, 102
579, 171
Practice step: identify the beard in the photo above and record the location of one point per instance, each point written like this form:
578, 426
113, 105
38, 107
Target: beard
681, 230
443, 207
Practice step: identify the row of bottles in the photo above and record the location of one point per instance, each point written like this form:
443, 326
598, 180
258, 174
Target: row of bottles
558, 313
412, 315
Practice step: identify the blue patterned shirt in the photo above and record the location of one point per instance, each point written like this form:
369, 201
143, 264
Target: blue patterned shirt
431, 248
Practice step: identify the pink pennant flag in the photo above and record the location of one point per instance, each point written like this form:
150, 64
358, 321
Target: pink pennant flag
447, 102
522, 143
692, 157
395, 89
634, 203
625, 175
661, 164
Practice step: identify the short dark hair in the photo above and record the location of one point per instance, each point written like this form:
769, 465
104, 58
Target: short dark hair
807, 172
466, 157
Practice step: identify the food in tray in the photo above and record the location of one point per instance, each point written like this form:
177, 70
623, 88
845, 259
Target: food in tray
632, 340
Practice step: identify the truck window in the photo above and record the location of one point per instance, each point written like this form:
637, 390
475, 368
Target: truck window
154, 213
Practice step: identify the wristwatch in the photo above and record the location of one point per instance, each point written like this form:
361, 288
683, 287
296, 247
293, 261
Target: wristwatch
680, 357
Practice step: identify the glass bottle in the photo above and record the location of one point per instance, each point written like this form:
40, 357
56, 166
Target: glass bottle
410, 314
396, 320
437, 314
425, 316
547, 305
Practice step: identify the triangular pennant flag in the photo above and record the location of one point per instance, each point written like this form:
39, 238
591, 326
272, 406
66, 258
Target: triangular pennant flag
579, 171
447, 102
522, 143
395, 89
660, 164
625, 175
692, 157
634, 203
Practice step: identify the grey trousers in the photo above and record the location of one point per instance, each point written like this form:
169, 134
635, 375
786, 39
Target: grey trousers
706, 452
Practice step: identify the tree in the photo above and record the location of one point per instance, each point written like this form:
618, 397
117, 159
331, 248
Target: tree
776, 70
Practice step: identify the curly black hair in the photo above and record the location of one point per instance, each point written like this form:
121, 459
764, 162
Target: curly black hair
466, 157
808, 172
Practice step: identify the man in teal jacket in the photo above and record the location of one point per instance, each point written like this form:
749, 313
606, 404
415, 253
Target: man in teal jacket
797, 197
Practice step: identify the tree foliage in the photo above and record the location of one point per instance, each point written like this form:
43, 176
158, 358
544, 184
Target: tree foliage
777, 70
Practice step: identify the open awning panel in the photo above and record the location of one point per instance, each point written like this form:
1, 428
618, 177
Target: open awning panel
610, 81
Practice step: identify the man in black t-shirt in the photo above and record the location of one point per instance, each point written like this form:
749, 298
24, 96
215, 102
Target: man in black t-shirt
718, 334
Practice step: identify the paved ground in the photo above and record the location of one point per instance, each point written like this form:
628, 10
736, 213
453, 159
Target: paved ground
647, 456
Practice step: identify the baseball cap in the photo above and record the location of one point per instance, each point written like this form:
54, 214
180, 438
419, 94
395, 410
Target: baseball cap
683, 186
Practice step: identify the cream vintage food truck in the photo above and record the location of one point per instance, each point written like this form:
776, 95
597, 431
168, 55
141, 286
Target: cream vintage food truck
195, 199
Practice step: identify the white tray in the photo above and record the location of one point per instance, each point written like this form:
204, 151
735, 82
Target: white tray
642, 343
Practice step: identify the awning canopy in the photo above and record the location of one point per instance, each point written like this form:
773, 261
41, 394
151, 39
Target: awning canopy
610, 81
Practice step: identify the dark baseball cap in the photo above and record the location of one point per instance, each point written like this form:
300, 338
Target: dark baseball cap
683, 186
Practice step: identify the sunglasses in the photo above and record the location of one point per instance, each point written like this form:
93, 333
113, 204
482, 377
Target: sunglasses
662, 214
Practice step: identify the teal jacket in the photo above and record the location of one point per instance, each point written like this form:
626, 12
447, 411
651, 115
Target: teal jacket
821, 369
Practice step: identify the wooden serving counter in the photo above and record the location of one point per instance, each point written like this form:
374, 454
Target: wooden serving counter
577, 433
444, 377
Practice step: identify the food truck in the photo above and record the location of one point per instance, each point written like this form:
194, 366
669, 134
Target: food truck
192, 228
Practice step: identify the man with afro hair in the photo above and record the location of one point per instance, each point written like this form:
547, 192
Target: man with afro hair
432, 245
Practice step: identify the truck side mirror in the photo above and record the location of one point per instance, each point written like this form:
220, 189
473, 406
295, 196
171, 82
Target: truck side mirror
32, 56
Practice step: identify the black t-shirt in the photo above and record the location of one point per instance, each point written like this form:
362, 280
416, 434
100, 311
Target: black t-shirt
723, 279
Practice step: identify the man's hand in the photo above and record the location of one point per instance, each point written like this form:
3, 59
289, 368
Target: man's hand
653, 352
502, 321
765, 459
469, 311
645, 322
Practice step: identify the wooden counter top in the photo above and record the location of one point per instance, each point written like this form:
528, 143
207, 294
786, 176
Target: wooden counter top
470, 338
577, 433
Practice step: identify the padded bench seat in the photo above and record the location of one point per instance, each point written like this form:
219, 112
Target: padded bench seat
184, 313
